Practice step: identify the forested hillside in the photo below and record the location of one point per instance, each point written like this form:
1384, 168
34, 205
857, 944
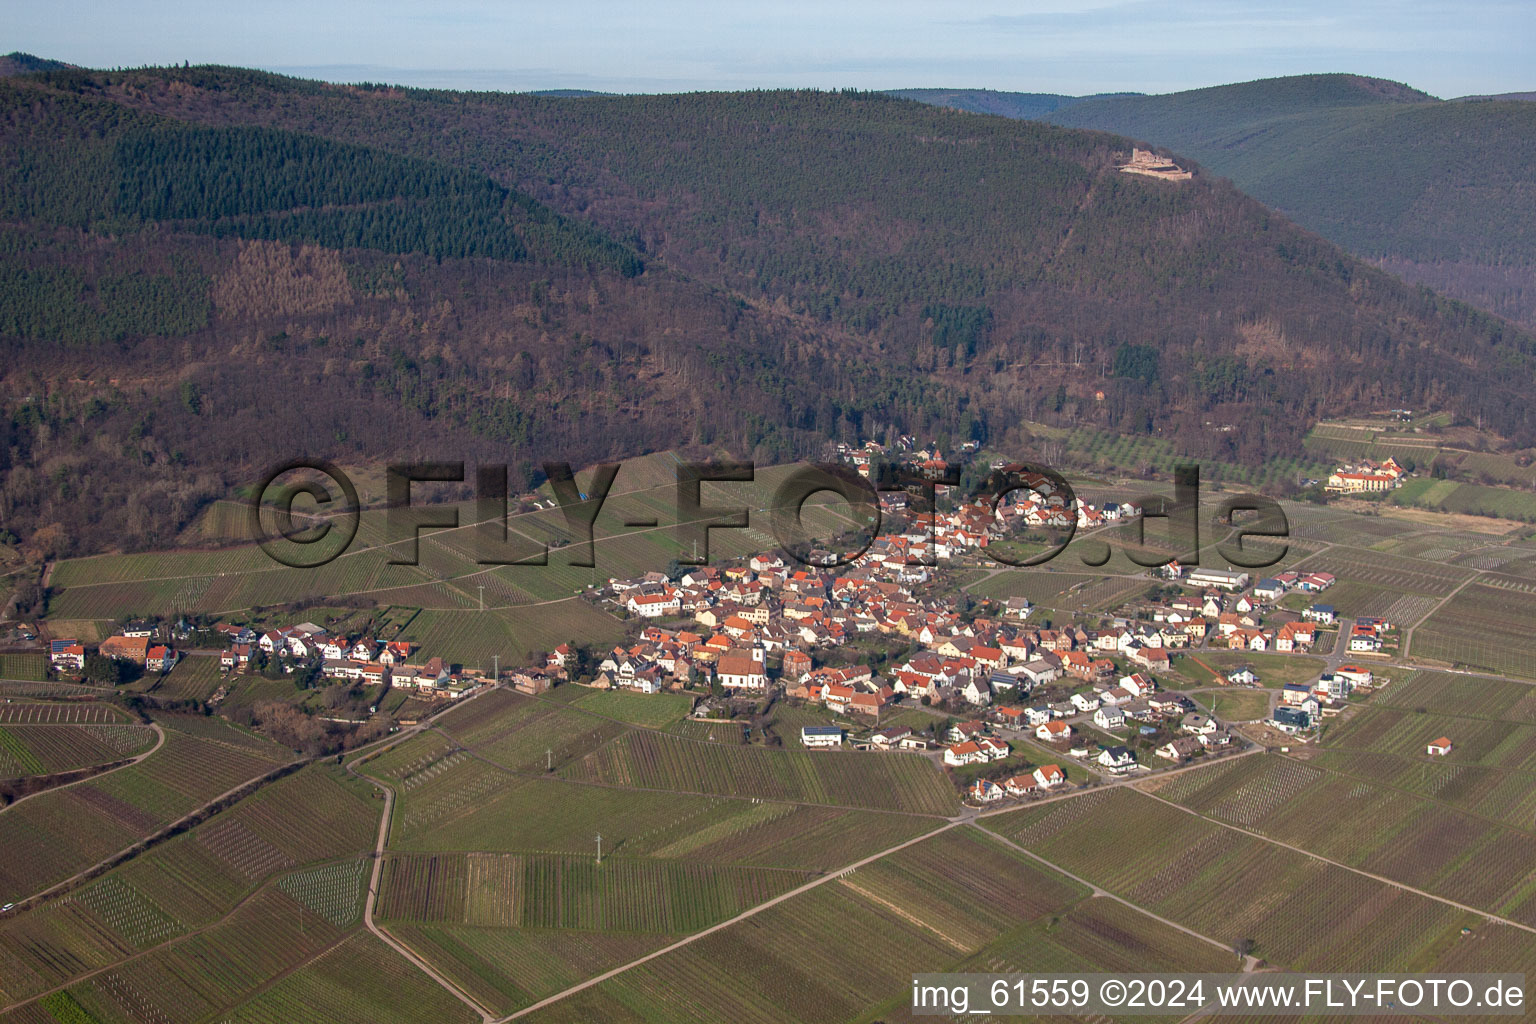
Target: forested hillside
1443, 193
216, 268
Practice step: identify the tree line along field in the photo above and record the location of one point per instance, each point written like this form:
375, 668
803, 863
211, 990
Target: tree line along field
1415, 840
1302, 913
225, 903
54, 834
46, 749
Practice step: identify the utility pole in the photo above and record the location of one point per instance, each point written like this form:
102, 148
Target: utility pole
495, 668
482, 596
549, 760
599, 848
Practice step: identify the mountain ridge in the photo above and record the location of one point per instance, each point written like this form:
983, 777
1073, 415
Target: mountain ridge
831, 265
1441, 192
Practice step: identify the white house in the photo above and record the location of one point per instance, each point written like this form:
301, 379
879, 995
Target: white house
653, 606
1085, 702
1116, 760
984, 791
742, 670
1109, 718
1049, 775
821, 736
977, 691
1052, 731
1040, 672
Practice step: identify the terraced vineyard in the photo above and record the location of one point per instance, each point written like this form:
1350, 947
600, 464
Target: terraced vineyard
1411, 575
357, 981
506, 968
45, 749
51, 836
1491, 743
195, 677
160, 900
994, 910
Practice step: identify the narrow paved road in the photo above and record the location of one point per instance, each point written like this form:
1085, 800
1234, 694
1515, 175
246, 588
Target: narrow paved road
1485, 914
135, 759
373, 896
1249, 962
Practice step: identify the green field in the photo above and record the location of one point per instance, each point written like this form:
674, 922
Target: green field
51, 836
233, 891
28, 667
1236, 705
901, 782
1273, 670
46, 749
655, 710
1416, 840
1468, 499
1298, 911
1482, 627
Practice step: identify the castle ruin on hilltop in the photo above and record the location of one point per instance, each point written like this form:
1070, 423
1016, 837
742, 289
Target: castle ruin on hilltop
1144, 161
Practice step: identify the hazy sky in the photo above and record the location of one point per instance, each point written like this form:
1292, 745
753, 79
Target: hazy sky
1447, 47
